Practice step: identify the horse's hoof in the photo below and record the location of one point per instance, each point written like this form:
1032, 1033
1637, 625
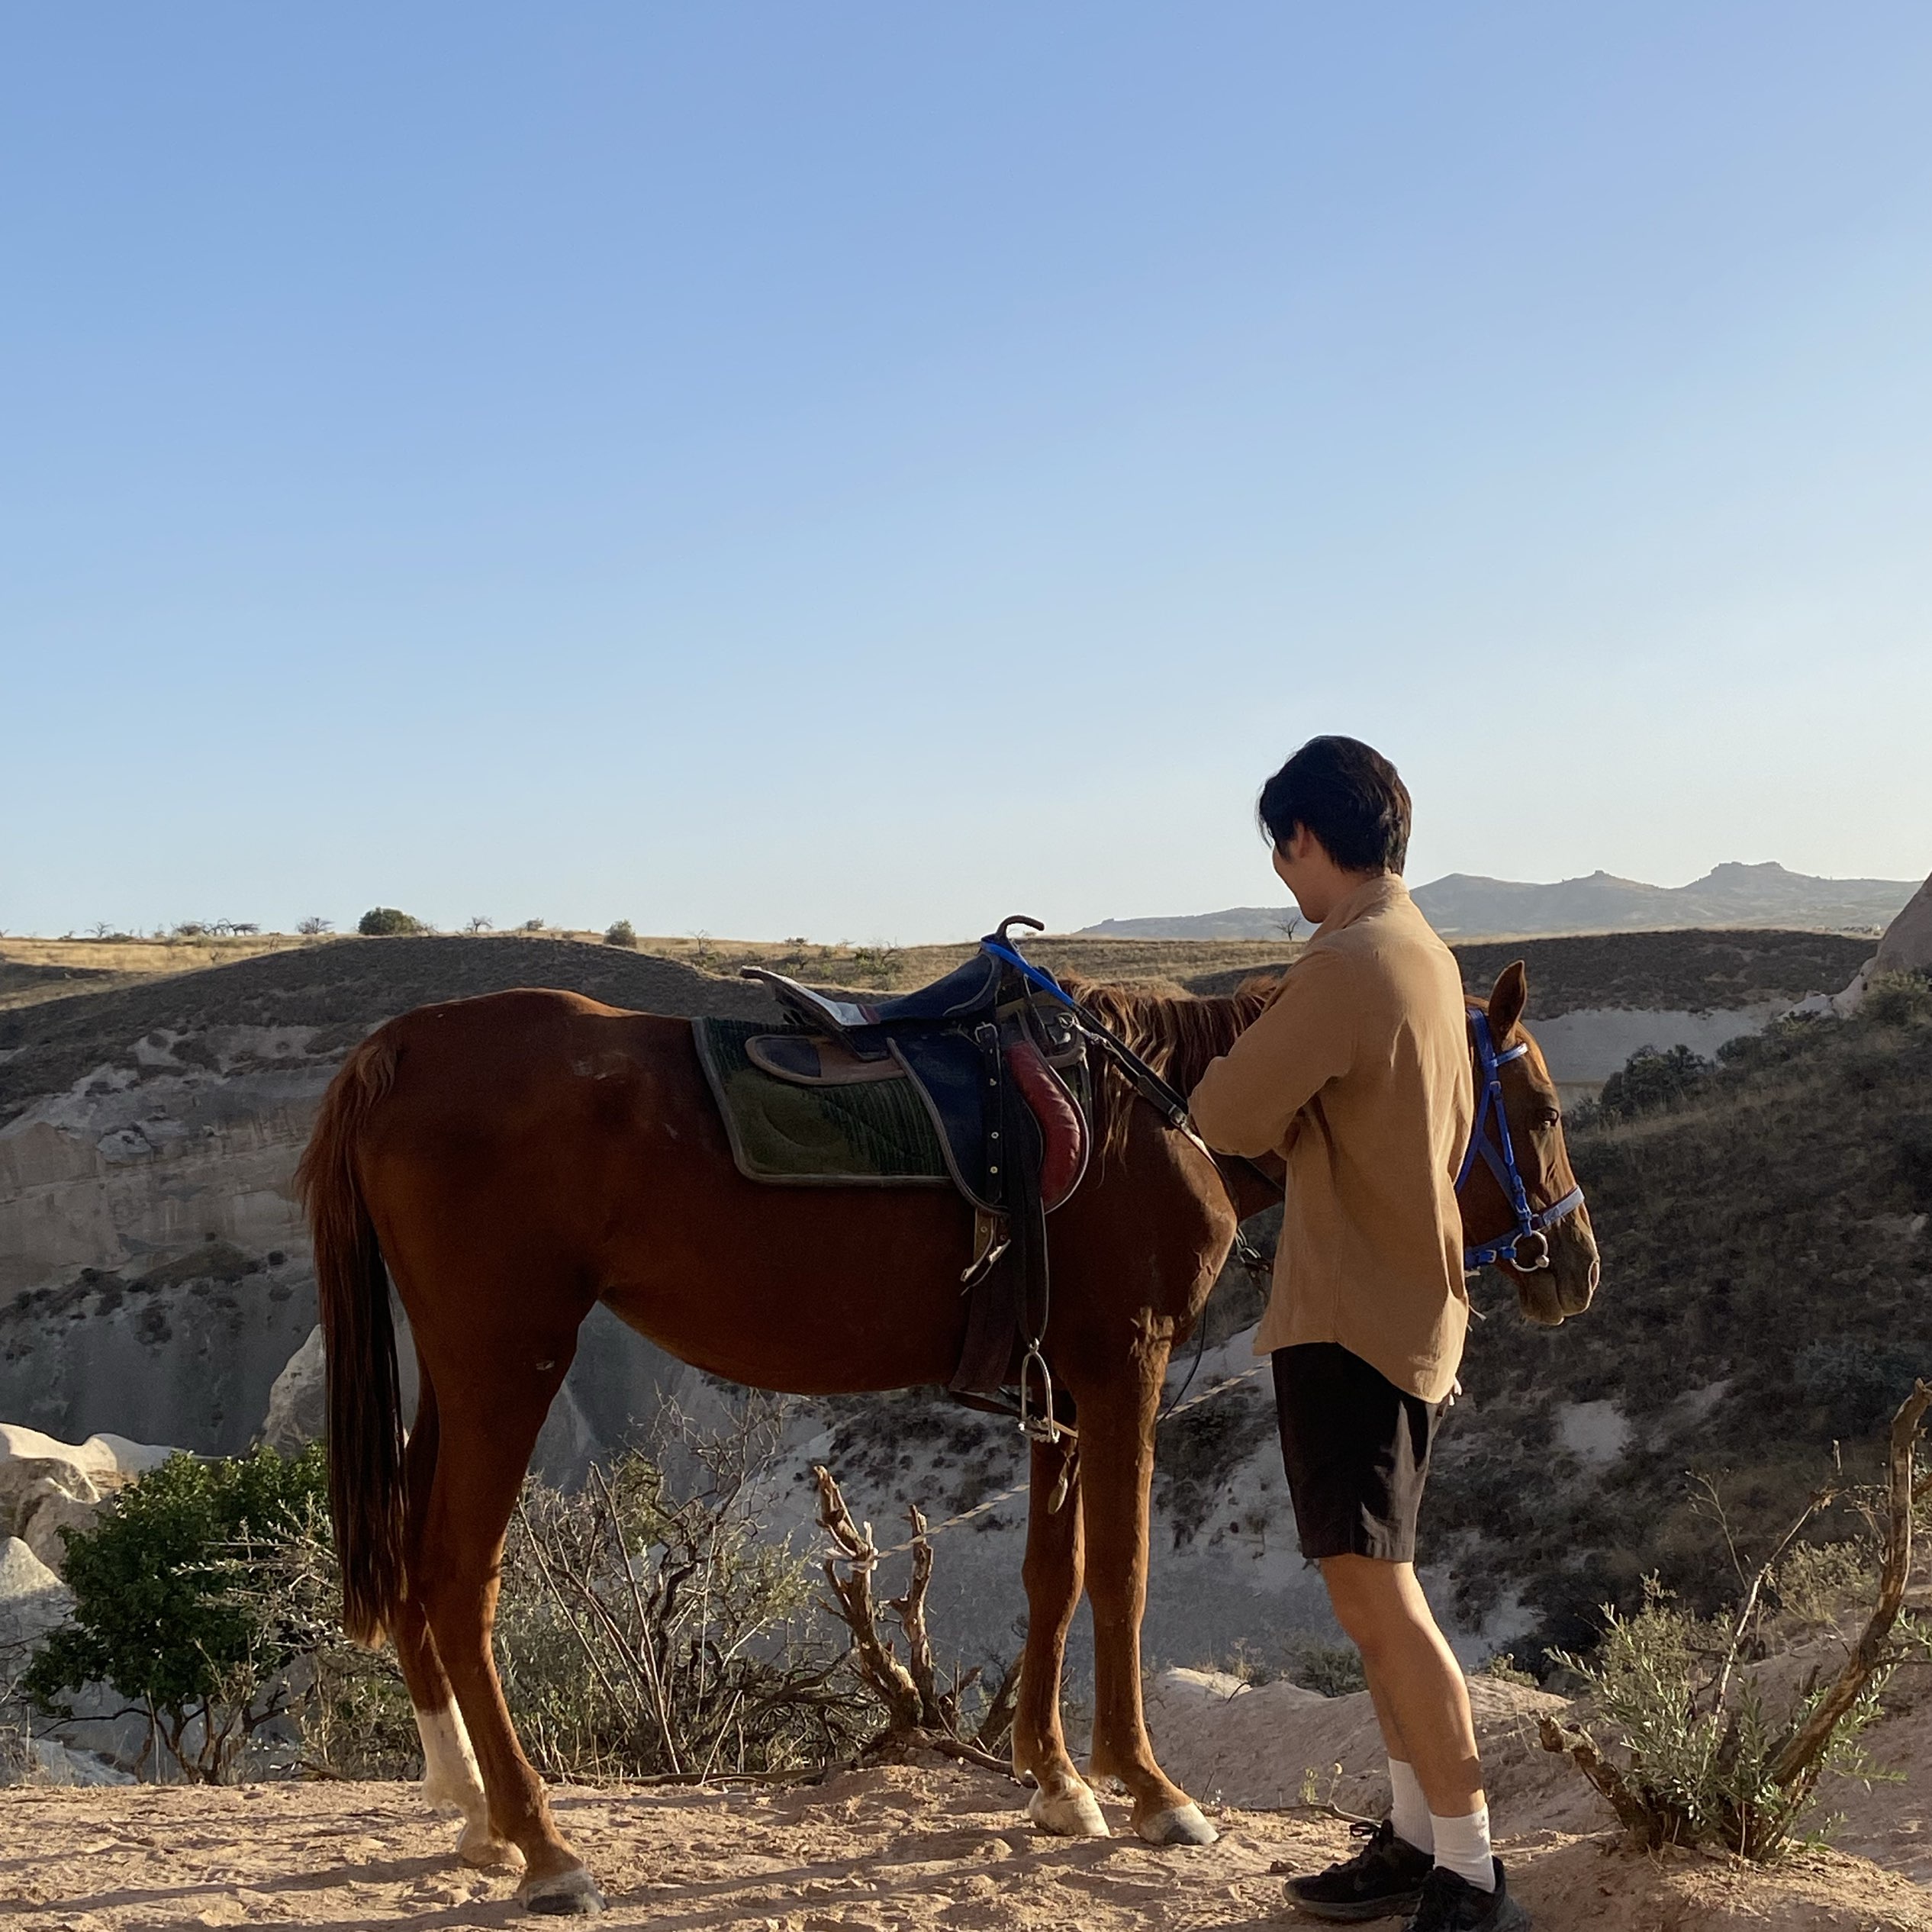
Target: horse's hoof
1179, 1824
1071, 1814
569, 1895
481, 1846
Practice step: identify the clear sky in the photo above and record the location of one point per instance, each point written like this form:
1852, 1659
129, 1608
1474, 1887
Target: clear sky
858, 470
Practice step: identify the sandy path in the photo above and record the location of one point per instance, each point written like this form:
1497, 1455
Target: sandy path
886, 1848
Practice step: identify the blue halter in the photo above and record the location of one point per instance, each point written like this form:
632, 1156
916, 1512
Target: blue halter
1527, 1245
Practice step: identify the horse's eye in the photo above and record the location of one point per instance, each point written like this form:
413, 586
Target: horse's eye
1549, 1117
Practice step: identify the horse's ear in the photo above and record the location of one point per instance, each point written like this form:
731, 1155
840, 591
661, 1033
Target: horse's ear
1508, 998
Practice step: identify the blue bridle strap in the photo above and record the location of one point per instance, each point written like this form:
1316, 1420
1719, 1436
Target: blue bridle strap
1500, 1157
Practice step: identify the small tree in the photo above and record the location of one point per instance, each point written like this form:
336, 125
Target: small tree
157, 1615
479, 923
620, 932
384, 921
312, 927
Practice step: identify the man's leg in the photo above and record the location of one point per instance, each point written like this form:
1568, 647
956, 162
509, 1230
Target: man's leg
1409, 1808
1417, 1684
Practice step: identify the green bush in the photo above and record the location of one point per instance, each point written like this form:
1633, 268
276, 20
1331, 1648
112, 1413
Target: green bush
155, 1615
1702, 1751
1651, 1079
385, 922
1334, 1669
620, 932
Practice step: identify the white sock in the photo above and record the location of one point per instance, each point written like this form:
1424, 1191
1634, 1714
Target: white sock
1462, 1845
1409, 1813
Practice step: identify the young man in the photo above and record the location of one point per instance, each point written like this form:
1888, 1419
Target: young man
1357, 1074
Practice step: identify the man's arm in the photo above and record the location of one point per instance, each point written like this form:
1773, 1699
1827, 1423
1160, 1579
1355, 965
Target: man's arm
1247, 1101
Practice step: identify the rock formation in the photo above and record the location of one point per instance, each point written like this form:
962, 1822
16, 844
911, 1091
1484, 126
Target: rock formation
1907, 946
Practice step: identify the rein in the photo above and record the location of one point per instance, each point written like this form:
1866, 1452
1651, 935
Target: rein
1527, 1245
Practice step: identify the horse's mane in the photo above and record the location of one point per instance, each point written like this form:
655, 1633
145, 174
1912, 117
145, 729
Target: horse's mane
1176, 1033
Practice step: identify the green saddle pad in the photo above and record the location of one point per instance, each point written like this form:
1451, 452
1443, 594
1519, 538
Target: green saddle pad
874, 1135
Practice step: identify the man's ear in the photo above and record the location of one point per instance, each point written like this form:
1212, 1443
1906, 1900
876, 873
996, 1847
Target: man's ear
1508, 998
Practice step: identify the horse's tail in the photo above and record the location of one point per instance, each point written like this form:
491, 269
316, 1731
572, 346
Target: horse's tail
365, 1405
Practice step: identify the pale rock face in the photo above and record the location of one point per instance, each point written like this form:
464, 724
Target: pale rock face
32, 1600
1907, 946
47, 1487
296, 1413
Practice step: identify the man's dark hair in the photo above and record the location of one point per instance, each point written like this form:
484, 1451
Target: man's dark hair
1349, 796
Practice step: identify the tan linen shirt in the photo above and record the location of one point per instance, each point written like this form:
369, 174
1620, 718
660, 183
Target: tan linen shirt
1357, 1074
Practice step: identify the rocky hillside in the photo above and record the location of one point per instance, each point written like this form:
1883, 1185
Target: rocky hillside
154, 1270
1766, 1301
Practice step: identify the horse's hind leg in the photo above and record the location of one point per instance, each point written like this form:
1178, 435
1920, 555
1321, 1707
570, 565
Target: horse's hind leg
451, 1780
1117, 1421
1062, 1800
485, 1449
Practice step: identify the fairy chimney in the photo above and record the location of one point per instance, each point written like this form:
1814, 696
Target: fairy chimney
1907, 946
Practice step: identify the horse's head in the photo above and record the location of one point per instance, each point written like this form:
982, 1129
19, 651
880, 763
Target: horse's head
1563, 1280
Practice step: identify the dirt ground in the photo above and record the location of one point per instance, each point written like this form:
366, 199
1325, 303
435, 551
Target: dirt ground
893, 1847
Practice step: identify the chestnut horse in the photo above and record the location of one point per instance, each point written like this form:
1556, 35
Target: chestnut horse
513, 1159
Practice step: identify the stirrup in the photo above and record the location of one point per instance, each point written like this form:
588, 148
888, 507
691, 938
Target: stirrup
1045, 1426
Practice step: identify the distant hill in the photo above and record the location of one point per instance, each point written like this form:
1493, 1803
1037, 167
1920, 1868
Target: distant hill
1462, 904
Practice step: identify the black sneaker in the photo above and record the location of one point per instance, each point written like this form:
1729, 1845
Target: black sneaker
1384, 1879
1450, 1903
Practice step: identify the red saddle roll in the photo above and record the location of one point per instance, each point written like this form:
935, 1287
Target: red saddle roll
1063, 1128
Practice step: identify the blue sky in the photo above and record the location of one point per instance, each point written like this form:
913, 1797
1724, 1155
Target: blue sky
859, 470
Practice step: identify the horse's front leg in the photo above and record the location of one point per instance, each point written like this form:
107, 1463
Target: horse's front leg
1117, 1421
1062, 1800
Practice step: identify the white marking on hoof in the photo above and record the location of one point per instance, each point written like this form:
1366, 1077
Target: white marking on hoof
1074, 1813
565, 1895
481, 1846
1179, 1824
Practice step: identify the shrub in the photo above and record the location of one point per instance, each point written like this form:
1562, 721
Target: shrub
1651, 1079
643, 1631
155, 1615
1334, 1669
313, 926
1817, 1581
385, 922
1898, 999
620, 932
1703, 1762
1703, 1755
1504, 1668
1858, 1382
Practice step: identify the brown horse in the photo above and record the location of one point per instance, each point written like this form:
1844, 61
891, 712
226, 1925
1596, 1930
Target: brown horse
516, 1158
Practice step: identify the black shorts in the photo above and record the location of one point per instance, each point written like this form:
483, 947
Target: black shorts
1356, 1449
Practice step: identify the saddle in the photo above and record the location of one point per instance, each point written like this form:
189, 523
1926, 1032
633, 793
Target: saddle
1000, 1067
